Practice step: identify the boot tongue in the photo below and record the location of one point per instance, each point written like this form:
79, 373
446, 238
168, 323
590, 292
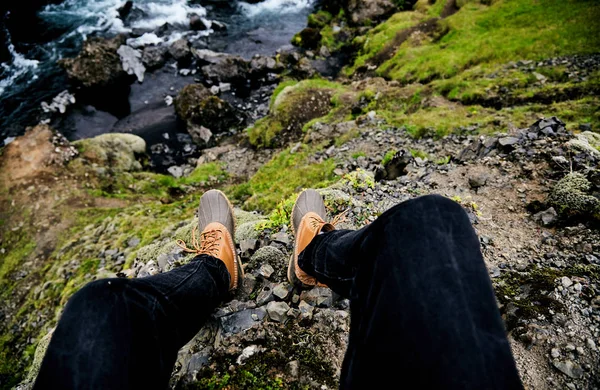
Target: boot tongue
327, 227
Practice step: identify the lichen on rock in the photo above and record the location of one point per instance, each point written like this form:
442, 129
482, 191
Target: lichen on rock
113, 150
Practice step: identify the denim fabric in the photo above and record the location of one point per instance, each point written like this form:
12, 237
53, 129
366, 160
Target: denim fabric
125, 333
423, 312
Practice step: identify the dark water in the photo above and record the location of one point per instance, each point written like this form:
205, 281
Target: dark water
35, 40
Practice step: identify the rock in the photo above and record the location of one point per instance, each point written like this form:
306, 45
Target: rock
320, 132
568, 368
175, 171
265, 295
247, 352
98, 71
266, 270
181, 52
98, 64
269, 255
133, 242
395, 167
566, 282
306, 311
261, 66
318, 296
547, 217
281, 237
153, 57
309, 38
197, 23
197, 106
114, 150
248, 246
59, 103
508, 141
125, 9
586, 142
248, 284
277, 311
132, 62
232, 70
364, 12
242, 320
218, 26
282, 290
477, 181
293, 369
201, 136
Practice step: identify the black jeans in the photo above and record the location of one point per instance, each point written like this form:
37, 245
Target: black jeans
423, 312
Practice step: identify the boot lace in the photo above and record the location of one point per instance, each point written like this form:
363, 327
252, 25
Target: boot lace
317, 222
209, 242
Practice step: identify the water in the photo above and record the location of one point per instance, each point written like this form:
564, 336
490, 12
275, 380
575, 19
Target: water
32, 75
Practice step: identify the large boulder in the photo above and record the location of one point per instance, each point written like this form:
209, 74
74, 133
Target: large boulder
222, 68
197, 106
118, 152
98, 72
98, 64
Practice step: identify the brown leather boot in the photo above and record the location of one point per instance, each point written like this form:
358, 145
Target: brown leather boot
216, 221
307, 222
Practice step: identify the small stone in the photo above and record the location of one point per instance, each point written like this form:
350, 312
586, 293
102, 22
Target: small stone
478, 181
318, 296
569, 368
242, 320
547, 217
508, 141
282, 290
247, 246
133, 242
306, 311
591, 344
293, 313
265, 295
248, 284
281, 237
247, 352
293, 369
566, 282
555, 353
570, 347
580, 350
277, 311
266, 270
295, 298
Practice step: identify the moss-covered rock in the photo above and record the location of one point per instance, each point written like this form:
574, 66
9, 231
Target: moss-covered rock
587, 142
116, 151
291, 108
570, 197
197, 106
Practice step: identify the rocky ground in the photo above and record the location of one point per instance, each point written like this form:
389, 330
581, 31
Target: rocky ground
74, 212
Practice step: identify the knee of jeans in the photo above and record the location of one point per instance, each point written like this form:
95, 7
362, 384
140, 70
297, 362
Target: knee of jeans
97, 291
426, 208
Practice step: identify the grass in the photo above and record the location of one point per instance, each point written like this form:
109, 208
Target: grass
507, 30
281, 177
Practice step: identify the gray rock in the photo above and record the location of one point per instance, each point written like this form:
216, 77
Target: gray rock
306, 311
566, 282
197, 23
277, 311
242, 320
197, 361
546, 217
180, 51
568, 368
477, 181
133, 242
508, 141
282, 290
154, 57
248, 246
281, 237
247, 352
318, 296
265, 295
248, 284
132, 62
293, 369
266, 270
201, 136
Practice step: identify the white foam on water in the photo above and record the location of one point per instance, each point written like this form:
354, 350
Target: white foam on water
275, 6
175, 12
17, 68
144, 40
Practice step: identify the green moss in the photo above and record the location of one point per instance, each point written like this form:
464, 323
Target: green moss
319, 19
284, 175
570, 196
388, 156
356, 155
360, 180
506, 30
209, 172
419, 153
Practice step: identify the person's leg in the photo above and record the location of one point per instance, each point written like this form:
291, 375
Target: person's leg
423, 310
125, 333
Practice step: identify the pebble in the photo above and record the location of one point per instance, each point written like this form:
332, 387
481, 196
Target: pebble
277, 311
282, 290
266, 270
569, 368
566, 282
